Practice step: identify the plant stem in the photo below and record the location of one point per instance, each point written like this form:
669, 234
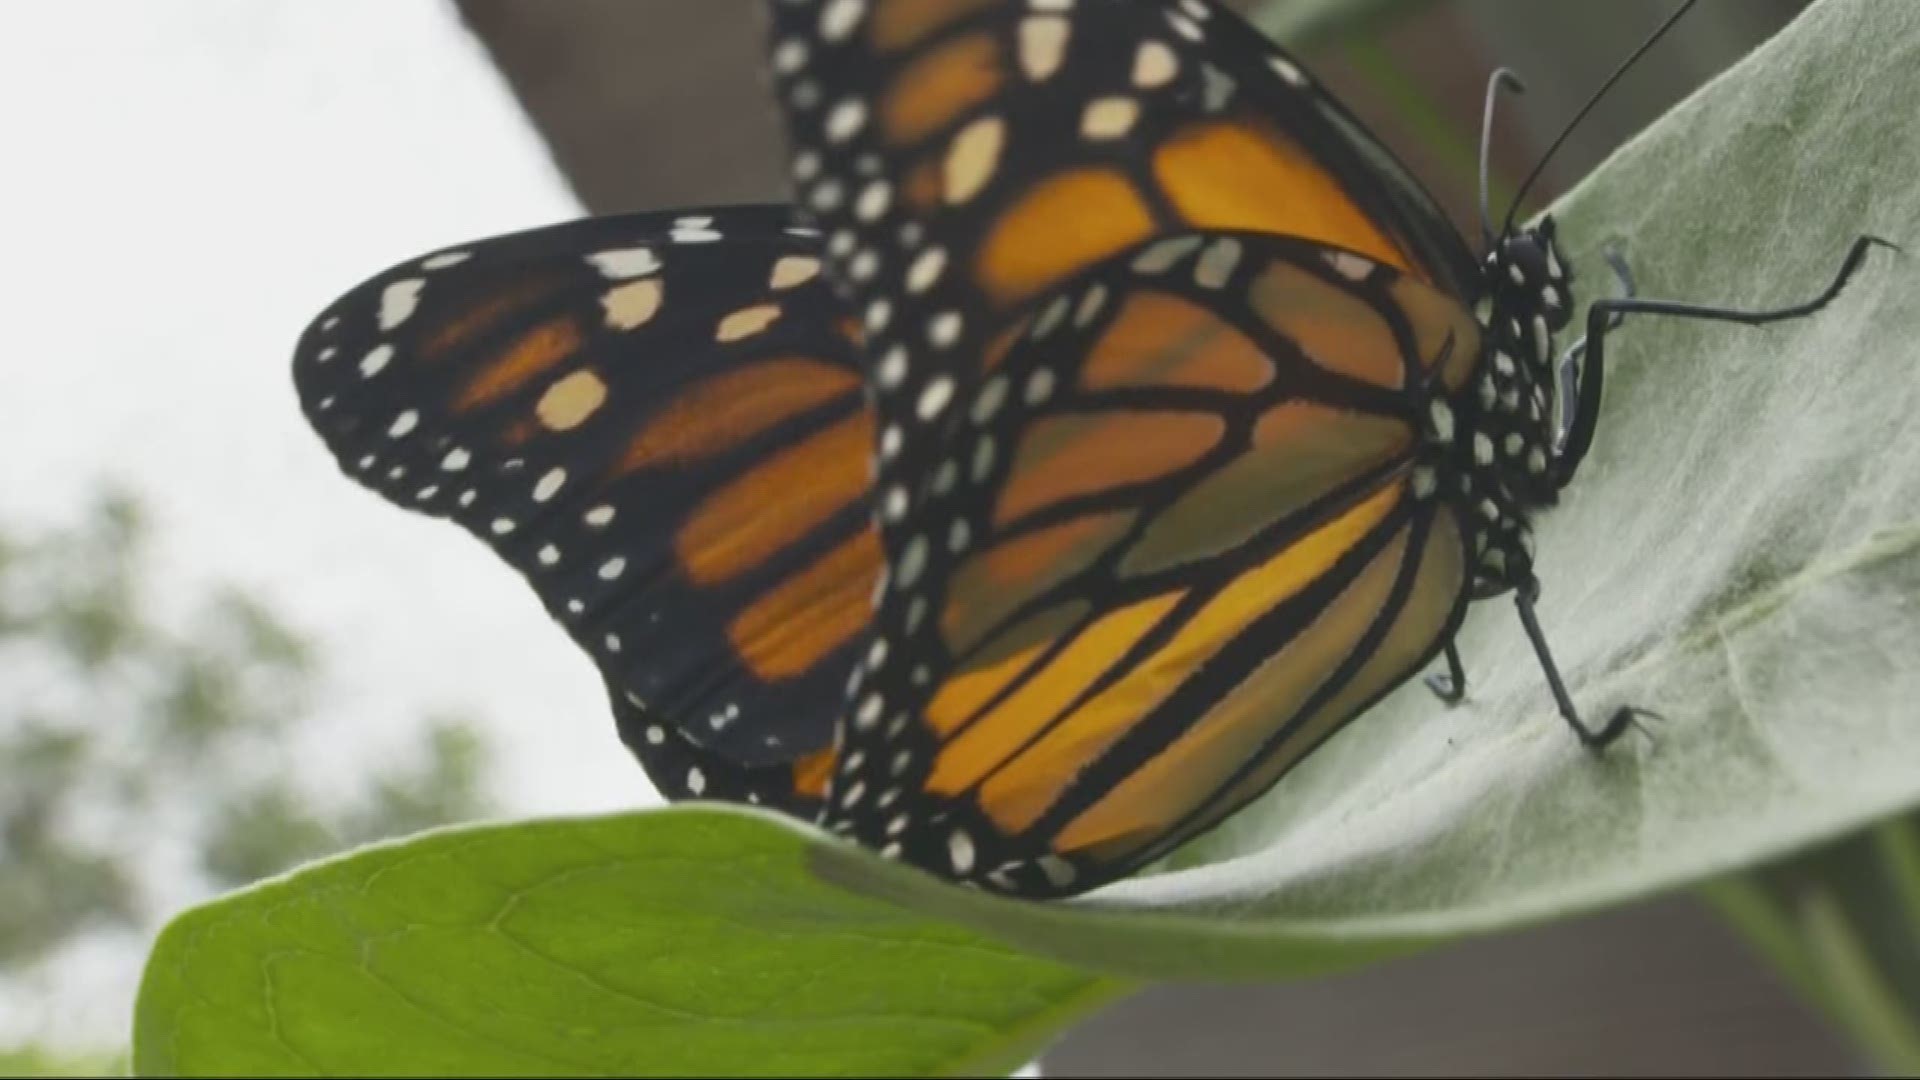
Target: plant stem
1841, 924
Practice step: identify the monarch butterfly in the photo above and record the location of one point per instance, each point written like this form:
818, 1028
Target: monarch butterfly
1166, 418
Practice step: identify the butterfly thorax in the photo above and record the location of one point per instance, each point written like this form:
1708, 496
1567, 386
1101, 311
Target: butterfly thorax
1500, 429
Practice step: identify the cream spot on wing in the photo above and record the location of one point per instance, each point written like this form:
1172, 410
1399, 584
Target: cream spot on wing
634, 304
1154, 65
570, 402
747, 322
1043, 45
794, 270
1216, 264
972, 158
1109, 118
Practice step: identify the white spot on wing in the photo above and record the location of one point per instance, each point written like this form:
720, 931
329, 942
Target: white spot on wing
1288, 71
1349, 265
944, 329
622, 263
926, 270
399, 301
960, 851
376, 361
839, 17
846, 120
933, 400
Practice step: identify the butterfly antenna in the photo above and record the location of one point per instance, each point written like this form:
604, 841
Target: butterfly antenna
1503, 79
1650, 42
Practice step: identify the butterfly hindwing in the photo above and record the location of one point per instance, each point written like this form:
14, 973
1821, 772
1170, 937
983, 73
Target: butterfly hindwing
1184, 529
658, 420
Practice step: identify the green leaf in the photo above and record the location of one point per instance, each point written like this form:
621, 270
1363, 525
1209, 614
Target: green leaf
1741, 553
678, 943
1841, 923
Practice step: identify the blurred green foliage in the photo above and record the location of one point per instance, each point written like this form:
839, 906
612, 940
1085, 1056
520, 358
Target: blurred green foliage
1307, 24
146, 760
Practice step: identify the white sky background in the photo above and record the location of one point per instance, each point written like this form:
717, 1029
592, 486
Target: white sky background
184, 186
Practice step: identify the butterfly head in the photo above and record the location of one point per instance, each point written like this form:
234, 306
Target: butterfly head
1529, 277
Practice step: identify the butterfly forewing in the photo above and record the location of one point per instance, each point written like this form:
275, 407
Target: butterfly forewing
658, 419
965, 157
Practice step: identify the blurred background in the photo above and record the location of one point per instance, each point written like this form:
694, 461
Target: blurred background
220, 658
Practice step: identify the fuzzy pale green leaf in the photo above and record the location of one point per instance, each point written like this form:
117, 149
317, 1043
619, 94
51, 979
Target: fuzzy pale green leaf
1741, 553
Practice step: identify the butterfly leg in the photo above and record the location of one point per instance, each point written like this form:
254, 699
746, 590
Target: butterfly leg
1604, 315
1570, 360
1450, 688
1623, 718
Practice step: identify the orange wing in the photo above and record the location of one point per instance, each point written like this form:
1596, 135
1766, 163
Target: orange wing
1186, 528
658, 420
